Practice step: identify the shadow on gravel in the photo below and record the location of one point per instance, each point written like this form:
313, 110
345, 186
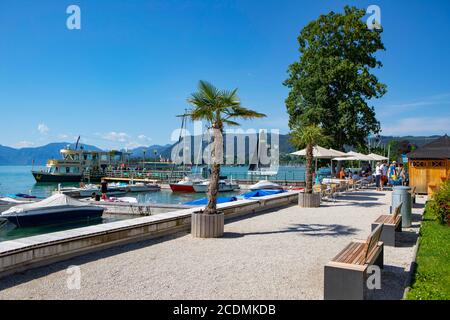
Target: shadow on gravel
393, 281
352, 203
39, 272
313, 230
418, 206
406, 239
416, 217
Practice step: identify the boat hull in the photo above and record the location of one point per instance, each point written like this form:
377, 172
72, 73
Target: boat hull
54, 215
132, 188
56, 178
201, 188
182, 188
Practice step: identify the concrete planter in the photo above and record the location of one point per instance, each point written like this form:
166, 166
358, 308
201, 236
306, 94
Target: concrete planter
307, 200
207, 225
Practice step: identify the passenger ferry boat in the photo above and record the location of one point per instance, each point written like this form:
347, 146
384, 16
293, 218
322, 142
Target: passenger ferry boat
79, 165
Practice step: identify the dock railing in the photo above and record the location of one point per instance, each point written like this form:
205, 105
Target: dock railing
290, 178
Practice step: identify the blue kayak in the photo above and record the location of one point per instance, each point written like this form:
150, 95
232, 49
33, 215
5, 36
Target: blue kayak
248, 195
204, 201
261, 193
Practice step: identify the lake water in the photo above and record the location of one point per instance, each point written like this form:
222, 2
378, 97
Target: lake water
18, 179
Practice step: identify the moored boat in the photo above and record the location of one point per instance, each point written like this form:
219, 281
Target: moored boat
58, 208
264, 185
187, 184
224, 186
79, 164
143, 187
81, 192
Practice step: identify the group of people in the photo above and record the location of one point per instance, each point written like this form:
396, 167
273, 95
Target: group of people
385, 174
390, 175
365, 173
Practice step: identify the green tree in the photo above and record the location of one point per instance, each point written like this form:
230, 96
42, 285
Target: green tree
308, 137
218, 108
332, 82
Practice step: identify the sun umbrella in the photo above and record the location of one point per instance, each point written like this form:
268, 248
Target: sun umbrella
359, 156
319, 153
340, 153
377, 157
348, 158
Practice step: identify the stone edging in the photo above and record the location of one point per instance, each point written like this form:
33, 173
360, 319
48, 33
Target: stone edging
413, 265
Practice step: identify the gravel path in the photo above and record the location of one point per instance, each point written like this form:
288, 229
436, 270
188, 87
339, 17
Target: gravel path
276, 255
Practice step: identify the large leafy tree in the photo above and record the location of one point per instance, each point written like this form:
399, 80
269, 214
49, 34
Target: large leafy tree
332, 83
218, 108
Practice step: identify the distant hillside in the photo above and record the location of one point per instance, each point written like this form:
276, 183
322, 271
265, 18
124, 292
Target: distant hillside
150, 151
40, 155
418, 141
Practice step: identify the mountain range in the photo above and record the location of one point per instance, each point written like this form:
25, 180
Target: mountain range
40, 155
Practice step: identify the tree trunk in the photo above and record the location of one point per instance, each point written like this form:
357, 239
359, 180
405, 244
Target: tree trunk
309, 166
217, 158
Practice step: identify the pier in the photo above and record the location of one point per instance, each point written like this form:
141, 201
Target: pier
167, 177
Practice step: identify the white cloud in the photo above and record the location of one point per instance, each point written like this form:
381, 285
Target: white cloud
144, 138
418, 126
116, 136
43, 129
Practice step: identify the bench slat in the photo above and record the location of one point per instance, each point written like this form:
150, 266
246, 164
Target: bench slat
388, 219
344, 252
351, 255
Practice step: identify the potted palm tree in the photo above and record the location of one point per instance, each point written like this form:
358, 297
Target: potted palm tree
219, 108
308, 137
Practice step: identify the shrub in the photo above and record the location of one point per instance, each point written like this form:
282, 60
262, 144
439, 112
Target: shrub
439, 205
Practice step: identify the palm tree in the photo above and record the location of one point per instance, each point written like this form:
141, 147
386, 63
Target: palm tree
308, 136
218, 108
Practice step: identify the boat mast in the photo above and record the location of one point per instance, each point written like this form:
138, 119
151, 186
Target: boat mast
183, 124
78, 141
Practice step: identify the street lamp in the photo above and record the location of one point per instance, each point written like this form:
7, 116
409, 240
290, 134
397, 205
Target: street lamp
143, 160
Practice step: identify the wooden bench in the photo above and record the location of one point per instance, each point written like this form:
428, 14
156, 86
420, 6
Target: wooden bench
392, 225
345, 276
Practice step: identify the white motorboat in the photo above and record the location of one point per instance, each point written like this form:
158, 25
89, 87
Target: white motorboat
82, 192
7, 203
122, 200
143, 187
187, 184
224, 186
58, 208
266, 185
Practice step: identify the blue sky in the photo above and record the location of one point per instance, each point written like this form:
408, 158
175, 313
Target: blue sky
121, 80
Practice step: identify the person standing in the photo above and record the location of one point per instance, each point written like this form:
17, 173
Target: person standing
378, 174
342, 173
402, 174
384, 178
104, 189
